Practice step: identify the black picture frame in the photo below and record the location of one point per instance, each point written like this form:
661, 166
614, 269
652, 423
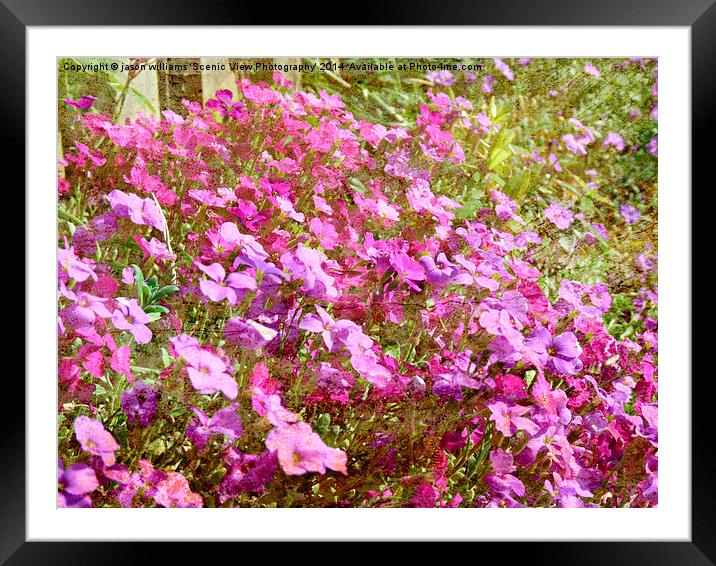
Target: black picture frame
698, 15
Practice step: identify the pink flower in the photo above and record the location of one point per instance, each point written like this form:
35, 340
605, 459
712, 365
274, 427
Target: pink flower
590, 69
129, 316
174, 491
559, 216
508, 419
301, 450
207, 373
95, 439
614, 139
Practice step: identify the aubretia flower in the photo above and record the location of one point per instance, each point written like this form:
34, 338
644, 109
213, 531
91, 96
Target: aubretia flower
442, 78
174, 491
307, 264
248, 333
560, 353
247, 473
139, 404
614, 139
224, 421
653, 146
156, 249
74, 483
630, 213
559, 216
207, 373
508, 419
590, 69
129, 316
84, 102
94, 439
504, 69
222, 287
408, 269
73, 266
138, 210
301, 450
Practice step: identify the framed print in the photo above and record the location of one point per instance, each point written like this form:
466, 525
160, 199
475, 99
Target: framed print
293, 285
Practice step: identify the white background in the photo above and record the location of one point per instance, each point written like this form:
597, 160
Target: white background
670, 521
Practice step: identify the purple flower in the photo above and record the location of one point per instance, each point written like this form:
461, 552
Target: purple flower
95, 439
307, 264
561, 353
508, 419
73, 266
129, 316
442, 78
590, 69
225, 421
439, 271
247, 473
74, 483
504, 69
653, 146
140, 211
630, 213
614, 139
139, 404
322, 323
559, 216
575, 145
248, 333
487, 83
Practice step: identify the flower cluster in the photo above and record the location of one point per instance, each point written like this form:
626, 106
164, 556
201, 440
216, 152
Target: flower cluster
268, 301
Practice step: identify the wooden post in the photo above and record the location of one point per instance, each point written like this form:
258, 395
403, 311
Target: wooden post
176, 84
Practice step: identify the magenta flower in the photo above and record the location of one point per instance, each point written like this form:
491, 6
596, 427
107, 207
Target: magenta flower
85, 310
74, 483
630, 213
508, 419
248, 333
129, 316
84, 102
77, 269
95, 439
301, 450
225, 421
156, 249
559, 216
407, 268
560, 354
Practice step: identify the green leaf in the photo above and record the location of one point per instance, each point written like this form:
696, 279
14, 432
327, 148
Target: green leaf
497, 156
164, 292
156, 309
